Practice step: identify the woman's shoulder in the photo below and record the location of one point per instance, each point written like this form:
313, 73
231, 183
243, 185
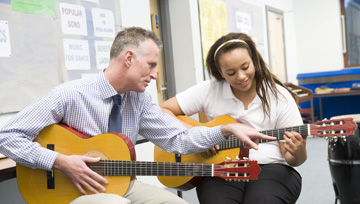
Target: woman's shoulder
284, 92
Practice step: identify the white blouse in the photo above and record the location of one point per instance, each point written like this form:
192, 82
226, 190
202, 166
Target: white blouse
216, 98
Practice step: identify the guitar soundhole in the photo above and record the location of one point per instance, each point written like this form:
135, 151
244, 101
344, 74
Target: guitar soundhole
96, 154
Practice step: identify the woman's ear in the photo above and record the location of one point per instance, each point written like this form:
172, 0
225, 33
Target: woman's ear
221, 74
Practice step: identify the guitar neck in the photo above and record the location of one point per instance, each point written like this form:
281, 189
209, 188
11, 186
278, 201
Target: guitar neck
142, 168
233, 142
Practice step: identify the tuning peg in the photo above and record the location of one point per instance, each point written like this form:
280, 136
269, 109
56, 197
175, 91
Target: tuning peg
227, 158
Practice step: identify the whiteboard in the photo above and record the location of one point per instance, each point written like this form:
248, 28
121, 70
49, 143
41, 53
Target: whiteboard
37, 60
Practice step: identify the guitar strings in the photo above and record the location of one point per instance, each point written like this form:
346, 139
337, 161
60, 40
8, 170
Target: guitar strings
233, 142
114, 167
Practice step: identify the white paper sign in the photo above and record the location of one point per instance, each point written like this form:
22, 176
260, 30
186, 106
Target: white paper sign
104, 23
102, 50
73, 19
243, 20
76, 54
5, 47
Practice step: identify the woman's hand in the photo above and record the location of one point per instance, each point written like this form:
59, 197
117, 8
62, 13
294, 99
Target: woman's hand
211, 152
294, 148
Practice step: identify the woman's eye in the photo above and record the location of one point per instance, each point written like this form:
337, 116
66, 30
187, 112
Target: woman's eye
245, 68
231, 74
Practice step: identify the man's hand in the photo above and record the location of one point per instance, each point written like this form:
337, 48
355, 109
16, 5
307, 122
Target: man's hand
74, 167
244, 133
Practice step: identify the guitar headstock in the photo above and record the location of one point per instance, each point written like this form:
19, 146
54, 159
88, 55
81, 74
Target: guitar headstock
237, 170
335, 127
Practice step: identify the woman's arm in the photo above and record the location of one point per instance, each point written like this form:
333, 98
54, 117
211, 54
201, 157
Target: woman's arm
172, 107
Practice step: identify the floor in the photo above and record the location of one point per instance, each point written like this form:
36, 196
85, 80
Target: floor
317, 183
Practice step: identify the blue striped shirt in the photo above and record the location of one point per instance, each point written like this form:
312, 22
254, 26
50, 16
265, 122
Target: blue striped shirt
85, 105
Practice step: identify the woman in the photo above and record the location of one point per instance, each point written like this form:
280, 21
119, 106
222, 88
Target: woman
244, 88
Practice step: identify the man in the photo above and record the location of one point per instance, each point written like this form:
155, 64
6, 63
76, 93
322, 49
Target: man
85, 105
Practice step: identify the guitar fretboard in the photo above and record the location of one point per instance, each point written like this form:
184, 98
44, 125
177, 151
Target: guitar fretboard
142, 168
233, 142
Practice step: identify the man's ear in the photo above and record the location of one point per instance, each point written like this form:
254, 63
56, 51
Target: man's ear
129, 58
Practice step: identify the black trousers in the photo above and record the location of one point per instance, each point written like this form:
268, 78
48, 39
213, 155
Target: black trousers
276, 183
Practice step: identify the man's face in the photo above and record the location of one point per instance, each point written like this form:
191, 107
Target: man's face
143, 68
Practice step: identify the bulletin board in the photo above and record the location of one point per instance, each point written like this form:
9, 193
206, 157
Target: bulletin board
52, 42
220, 17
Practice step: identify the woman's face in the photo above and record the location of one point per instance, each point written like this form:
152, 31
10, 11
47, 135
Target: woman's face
237, 68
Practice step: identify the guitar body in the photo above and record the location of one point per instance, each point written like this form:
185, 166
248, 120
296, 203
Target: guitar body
188, 182
33, 182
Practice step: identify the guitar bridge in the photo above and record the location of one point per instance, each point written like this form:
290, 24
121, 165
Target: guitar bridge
178, 158
50, 175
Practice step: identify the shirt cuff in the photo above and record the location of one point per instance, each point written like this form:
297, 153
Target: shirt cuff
46, 159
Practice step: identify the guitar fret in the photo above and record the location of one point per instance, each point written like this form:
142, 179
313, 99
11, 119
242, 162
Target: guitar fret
138, 169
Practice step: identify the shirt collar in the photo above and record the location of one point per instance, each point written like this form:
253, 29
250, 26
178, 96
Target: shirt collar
107, 91
227, 93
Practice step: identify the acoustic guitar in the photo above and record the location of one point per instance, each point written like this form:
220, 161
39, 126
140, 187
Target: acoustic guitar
230, 148
117, 164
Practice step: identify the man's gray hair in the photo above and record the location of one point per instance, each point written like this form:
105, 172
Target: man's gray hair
132, 37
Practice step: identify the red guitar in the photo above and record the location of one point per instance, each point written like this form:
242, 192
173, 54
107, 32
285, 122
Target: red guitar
118, 165
230, 148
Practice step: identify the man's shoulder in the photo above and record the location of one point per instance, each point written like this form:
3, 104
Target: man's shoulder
77, 85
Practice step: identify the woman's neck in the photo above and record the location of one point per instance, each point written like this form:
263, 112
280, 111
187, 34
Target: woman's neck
246, 97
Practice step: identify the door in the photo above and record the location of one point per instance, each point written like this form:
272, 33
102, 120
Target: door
350, 19
155, 24
276, 43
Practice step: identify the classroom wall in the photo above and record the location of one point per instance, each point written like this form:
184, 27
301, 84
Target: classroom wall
318, 33
312, 38
186, 42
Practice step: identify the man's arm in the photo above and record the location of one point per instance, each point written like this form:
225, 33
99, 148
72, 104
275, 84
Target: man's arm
244, 133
